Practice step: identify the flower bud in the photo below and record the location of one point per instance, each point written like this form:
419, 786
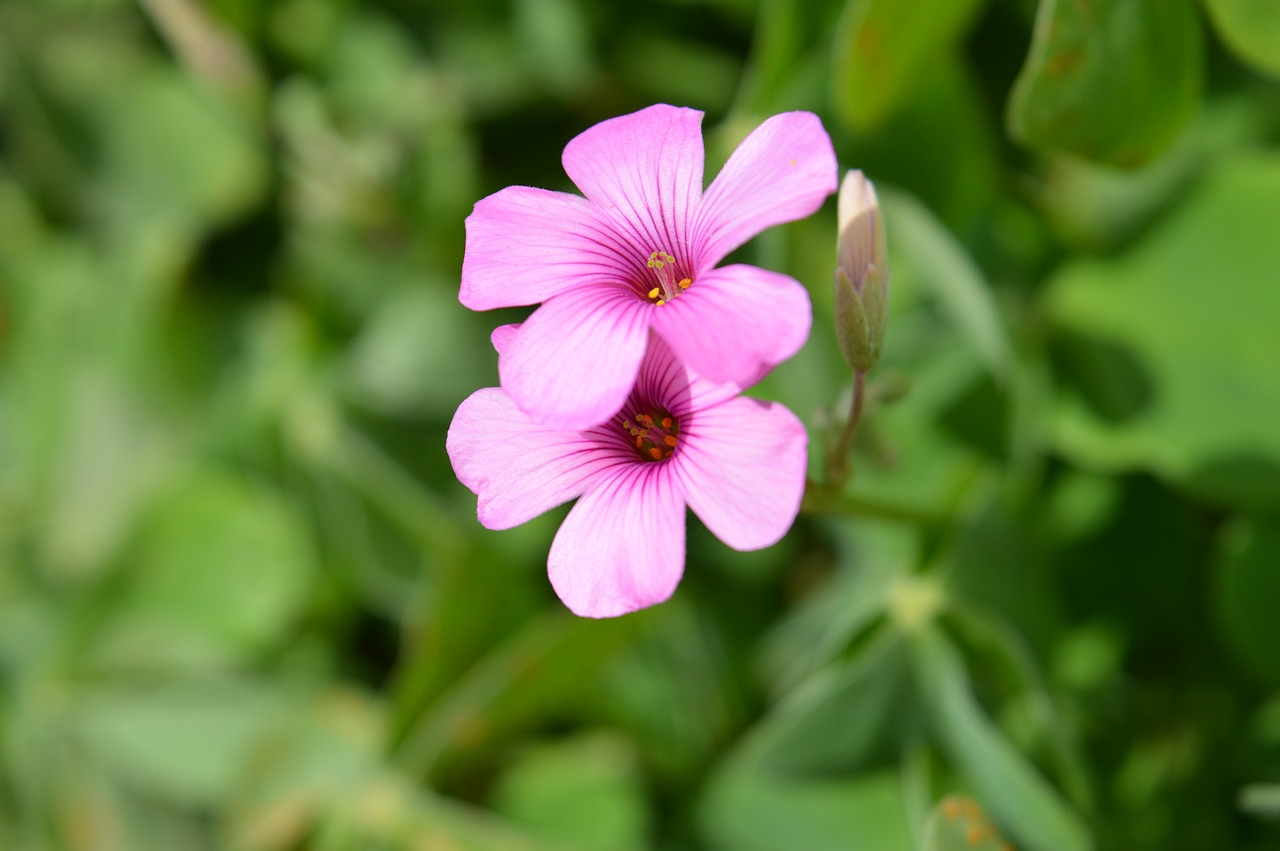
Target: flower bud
862, 273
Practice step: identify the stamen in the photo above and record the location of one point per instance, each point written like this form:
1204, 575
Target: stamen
670, 283
655, 435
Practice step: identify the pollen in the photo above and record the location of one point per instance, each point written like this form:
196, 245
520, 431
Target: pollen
671, 279
654, 434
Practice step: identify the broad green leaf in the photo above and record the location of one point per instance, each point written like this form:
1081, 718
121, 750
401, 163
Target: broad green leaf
419, 353
221, 569
1181, 330
585, 791
883, 48
671, 688
1108, 80
1017, 794
184, 743
1251, 28
750, 812
1247, 590
837, 719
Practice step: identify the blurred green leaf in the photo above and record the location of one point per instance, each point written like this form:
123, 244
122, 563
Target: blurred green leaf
1251, 28
838, 718
872, 558
671, 688
1261, 800
1108, 80
945, 270
1095, 207
185, 743
545, 663
1018, 795
1247, 591
420, 353
585, 791
175, 149
882, 49
747, 812
1186, 316
223, 564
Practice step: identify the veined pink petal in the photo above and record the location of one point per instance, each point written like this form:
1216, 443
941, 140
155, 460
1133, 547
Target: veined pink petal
666, 381
575, 359
622, 546
736, 322
741, 466
646, 170
525, 245
781, 172
500, 338
516, 467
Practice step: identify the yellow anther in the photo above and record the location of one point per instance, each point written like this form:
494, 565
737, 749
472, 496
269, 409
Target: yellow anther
653, 293
661, 302
685, 283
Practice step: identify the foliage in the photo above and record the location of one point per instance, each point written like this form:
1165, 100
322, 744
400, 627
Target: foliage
244, 603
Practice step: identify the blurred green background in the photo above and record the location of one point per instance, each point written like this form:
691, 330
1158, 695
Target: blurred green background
245, 605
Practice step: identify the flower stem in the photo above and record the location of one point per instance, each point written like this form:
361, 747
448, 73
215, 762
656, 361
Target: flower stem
838, 459
821, 500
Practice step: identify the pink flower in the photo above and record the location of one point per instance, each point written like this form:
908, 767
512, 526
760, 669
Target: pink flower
678, 440
639, 252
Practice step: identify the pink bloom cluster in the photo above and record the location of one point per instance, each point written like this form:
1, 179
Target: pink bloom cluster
622, 388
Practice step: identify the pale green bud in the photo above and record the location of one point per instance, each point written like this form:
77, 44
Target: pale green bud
862, 273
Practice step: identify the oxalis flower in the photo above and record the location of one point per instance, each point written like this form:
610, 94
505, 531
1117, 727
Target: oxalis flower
676, 440
639, 252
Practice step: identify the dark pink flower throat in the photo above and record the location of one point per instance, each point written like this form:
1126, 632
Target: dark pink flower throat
670, 278
654, 435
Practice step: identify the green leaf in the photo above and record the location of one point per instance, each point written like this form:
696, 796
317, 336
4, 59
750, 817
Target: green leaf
585, 792
1251, 28
838, 718
221, 569
1182, 329
1018, 795
750, 812
944, 267
1108, 80
184, 743
883, 49
1247, 588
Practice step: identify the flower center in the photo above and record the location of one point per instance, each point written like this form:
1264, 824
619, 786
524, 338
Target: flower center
654, 434
670, 282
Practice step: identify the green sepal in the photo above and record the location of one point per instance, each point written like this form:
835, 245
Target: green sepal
851, 322
860, 319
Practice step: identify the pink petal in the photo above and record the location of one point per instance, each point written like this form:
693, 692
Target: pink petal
646, 169
501, 337
525, 245
781, 172
666, 381
736, 322
741, 466
622, 546
520, 469
574, 360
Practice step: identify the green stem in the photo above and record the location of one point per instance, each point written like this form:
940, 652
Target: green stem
838, 459
822, 500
